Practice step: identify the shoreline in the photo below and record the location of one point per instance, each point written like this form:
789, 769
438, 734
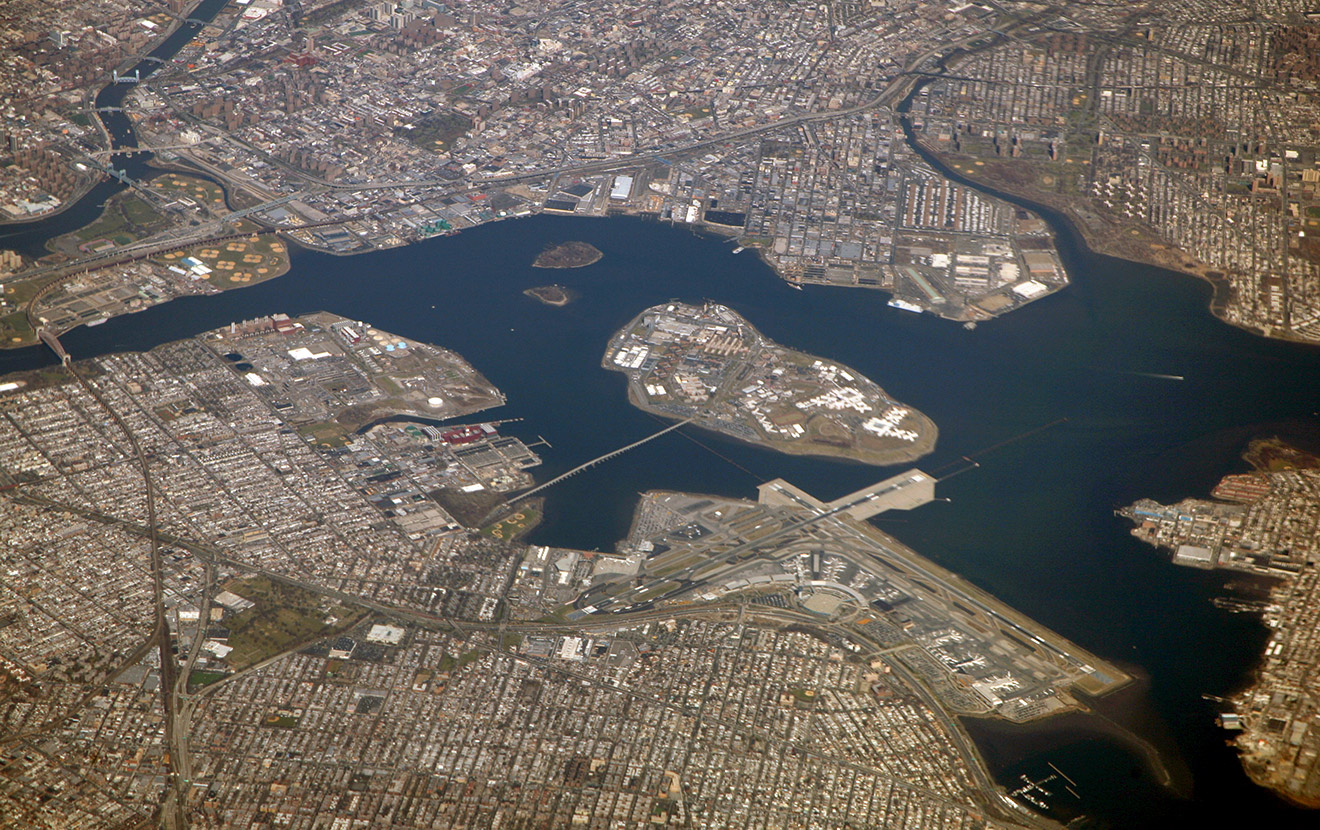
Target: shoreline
923, 444
1086, 721
1067, 216
576, 255
717, 257
1056, 216
1061, 221
908, 458
1061, 218
54, 284
1144, 252
65, 205
554, 295
91, 93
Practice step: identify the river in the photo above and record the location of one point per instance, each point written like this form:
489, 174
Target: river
1034, 524
29, 238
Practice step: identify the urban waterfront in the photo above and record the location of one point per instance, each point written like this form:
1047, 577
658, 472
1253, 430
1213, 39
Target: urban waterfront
30, 238
1033, 524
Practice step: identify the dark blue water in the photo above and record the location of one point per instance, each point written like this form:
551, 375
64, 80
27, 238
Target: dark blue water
1033, 524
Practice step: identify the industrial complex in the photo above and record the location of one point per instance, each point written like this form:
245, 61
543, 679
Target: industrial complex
709, 365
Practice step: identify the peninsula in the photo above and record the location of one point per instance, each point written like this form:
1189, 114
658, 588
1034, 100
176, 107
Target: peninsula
824, 567
706, 363
350, 373
568, 255
1134, 125
1265, 522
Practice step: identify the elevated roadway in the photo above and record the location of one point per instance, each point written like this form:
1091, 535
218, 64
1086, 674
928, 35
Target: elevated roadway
993, 796
160, 637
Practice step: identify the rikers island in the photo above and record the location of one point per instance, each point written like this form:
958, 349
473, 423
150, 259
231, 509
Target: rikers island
708, 365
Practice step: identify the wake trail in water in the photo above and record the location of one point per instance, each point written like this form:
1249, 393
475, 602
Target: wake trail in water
1134, 373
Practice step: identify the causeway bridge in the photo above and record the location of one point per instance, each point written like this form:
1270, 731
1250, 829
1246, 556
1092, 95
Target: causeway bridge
599, 460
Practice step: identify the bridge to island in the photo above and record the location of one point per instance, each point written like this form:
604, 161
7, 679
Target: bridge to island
598, 460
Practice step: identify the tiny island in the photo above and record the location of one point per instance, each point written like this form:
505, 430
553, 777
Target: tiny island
555, 295
568, 255
706, 363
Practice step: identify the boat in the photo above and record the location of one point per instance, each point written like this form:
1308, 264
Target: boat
905, 305
795, 285
739, 249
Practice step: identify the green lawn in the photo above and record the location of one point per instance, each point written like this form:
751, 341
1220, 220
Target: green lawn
282, 617
200, 678
325, 434
513, 526
449, 662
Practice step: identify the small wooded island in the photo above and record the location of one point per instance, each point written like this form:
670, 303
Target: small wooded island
556, 295
568, 255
